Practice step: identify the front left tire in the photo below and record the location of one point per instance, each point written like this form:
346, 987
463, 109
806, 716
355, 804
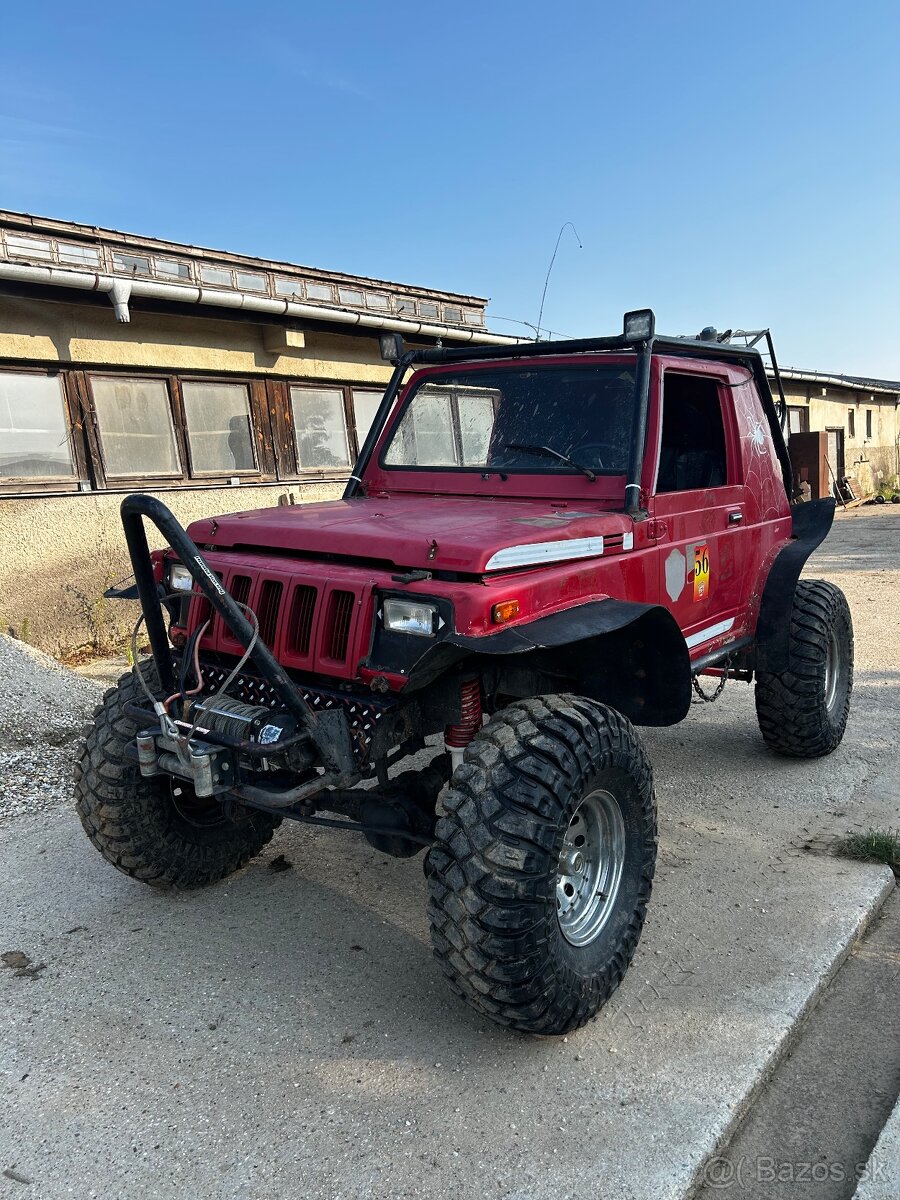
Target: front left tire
155, 830
543, 864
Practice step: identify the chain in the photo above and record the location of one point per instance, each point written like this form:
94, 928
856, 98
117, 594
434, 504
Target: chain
719, 688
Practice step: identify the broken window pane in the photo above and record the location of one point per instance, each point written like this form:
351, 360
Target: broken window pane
34, 439
218, 428
134, 264
135, 424
319, 427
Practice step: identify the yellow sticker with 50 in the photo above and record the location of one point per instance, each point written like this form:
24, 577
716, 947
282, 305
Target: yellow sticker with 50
701, 571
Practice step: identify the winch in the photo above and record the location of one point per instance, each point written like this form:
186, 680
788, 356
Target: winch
238, 721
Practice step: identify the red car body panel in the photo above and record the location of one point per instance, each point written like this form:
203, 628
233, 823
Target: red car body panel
704, 555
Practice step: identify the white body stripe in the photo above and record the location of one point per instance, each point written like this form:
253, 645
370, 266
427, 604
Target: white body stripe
543, 552
711, 631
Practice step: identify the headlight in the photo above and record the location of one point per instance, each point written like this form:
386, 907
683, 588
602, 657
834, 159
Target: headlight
406, 616
180, 579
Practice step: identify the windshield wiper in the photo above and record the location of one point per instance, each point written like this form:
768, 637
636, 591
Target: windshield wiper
551, 453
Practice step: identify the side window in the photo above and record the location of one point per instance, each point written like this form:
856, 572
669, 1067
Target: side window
692, 450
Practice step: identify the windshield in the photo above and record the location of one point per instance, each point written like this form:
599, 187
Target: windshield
530, 419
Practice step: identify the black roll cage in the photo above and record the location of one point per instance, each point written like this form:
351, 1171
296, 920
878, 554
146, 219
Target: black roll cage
644, 346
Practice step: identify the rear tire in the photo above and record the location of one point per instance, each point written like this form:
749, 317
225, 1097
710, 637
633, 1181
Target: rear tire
803, 712
518, 930
141, 825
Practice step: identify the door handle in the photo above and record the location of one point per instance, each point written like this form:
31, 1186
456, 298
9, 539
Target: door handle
735, 518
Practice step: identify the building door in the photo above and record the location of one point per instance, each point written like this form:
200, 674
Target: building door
836, 452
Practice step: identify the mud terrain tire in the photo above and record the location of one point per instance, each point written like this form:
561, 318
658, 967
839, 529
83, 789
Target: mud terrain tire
803, 712
534, 774
139, 825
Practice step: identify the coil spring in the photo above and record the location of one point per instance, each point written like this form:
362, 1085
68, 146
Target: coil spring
459, 735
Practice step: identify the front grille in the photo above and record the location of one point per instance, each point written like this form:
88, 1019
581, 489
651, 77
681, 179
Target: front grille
363, 713
338, 628
310, 624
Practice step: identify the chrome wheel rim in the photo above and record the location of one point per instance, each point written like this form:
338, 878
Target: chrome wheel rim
590, 866
832, 671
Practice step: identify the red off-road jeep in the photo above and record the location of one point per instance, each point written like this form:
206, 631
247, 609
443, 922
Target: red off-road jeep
541, 546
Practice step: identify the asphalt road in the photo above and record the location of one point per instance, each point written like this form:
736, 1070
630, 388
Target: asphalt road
288, 1034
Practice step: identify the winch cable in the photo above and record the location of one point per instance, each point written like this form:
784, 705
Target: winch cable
183, 741
190, 657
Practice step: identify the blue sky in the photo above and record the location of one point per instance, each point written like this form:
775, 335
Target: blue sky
727, 165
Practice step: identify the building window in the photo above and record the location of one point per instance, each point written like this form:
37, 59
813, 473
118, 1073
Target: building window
28, 247
217, 416
320, 428
365, 406
798, 419
350, 296
171, 268
289, 287
851, 422
868, 424
220, 276
319, 291
34, 439
86, 256
134, 422
250, 281
133, 264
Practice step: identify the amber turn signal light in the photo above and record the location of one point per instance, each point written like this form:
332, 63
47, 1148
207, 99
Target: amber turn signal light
505, 611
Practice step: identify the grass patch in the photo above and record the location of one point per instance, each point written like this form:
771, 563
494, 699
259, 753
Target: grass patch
875, 845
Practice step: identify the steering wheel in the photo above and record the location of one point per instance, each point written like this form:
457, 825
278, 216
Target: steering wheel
594, 460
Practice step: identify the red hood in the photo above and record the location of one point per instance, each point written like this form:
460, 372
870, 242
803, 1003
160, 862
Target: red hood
448, 534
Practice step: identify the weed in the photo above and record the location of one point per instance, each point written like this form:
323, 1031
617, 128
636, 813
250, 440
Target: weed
875, 845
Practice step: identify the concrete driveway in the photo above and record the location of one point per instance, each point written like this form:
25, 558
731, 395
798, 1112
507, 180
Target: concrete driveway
287, 1033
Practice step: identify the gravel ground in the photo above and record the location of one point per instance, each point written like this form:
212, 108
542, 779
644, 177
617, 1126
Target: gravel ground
45, 708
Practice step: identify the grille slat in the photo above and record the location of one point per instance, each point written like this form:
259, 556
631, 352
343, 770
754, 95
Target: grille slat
340, 619
268, 606
239, 589
300, 621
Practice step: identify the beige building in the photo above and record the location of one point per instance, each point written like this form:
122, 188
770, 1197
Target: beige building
217, 381
860, 416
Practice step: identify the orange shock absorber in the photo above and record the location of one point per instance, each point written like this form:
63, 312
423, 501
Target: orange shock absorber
458, 736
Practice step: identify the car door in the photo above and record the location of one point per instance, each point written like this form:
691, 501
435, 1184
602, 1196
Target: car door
699, 507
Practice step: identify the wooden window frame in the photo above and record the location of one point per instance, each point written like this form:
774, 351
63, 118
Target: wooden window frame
61, 484
272, 429
265, 469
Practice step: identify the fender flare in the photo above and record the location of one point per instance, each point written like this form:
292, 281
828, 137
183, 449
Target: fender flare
811, 525
630, 656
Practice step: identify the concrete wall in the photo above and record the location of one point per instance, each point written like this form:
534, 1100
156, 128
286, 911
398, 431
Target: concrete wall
87, 335
58, 554
874, 462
